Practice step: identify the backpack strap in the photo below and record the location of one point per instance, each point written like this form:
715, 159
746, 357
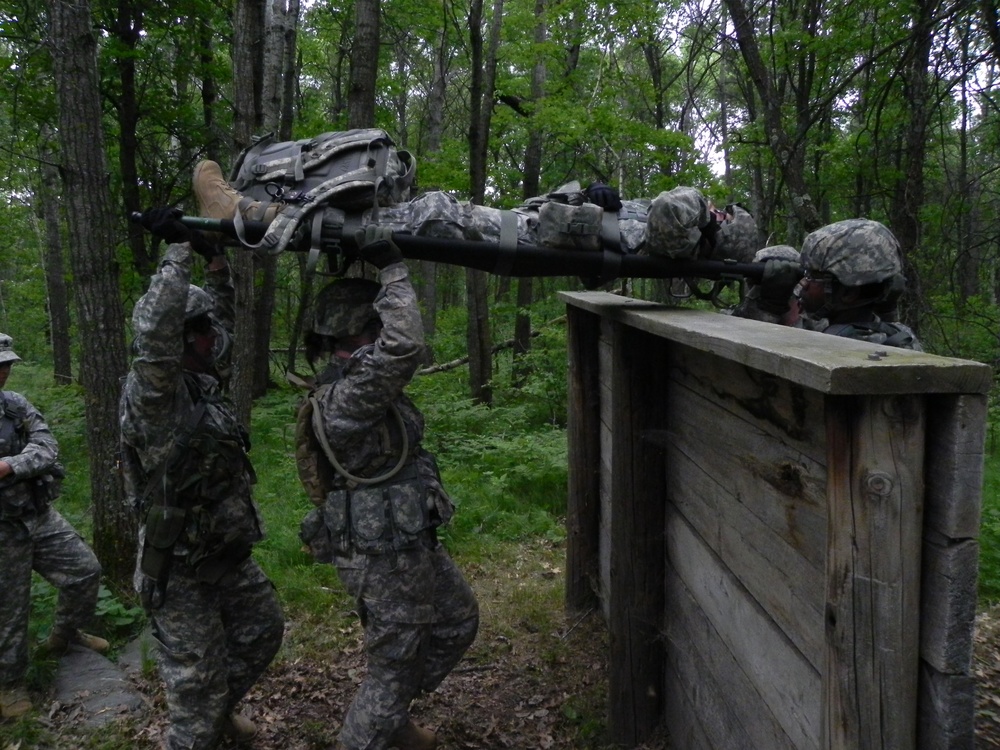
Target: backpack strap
353, 480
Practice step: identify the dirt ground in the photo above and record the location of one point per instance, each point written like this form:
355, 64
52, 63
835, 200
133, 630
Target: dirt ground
536, 682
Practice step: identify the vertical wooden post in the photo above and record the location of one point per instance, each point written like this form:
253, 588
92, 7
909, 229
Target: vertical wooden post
583, 512
638, 500
875, 450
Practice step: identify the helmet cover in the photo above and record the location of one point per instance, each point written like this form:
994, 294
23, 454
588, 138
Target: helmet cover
855, 252
344, 307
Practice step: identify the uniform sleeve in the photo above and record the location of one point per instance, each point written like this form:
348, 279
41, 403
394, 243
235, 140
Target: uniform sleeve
41, 452
376, 377
149, 399
219, 284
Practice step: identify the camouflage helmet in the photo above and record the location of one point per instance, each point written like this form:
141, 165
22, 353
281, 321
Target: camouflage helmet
344, 307
855, 252
737, 238
673, 226
199, 302
776, 252
7, 350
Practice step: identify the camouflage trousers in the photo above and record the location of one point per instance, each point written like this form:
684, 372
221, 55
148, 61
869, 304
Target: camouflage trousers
49, 545
420, 616
214, 642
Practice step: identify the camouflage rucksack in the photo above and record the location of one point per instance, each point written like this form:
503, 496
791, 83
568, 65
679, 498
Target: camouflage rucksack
351, 170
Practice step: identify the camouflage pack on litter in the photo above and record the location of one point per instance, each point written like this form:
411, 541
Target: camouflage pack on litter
351, 170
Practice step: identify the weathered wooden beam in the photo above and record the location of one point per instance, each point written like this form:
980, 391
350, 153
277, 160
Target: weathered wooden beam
637, 526
584, 456
875, 492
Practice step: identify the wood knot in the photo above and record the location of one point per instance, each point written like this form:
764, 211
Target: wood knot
879, 483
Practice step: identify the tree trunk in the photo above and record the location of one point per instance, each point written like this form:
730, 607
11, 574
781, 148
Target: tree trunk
248, 34
274, 58
788, 154
127, 30
908, 193
364, 65
57, 291
481, 105
100, 317
530, 187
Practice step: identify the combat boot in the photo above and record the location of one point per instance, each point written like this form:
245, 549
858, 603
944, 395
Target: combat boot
60, 640
14, 702
239, 728
217, 199
413, 737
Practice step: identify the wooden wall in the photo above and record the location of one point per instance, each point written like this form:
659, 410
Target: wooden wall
780, 527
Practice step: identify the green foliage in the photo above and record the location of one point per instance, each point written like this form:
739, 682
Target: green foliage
116, 616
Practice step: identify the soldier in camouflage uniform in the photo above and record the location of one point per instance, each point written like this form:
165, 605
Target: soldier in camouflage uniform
215, 615
853, 277
34, 536
384, 501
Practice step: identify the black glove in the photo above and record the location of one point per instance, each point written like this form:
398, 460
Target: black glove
165, 223
604, 196
377, 247
777, 284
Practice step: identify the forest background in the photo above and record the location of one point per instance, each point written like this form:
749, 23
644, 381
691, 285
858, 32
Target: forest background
805, 113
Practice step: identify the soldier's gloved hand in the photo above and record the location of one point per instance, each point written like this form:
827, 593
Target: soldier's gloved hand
604, 196
777, 284
165, 223
376, 246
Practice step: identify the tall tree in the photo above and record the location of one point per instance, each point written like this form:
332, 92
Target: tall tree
364, 64
100, 317
483, 64
248, 50
55, 268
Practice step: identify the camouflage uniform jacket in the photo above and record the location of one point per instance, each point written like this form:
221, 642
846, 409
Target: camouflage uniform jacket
363, 428
27, 444
213, 477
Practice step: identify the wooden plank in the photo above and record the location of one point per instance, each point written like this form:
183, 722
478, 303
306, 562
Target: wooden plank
948, 603
707, 687
875, 474
783, 682
637, 595
829, 364
607, 434
956, 436
785, 585
948, 711
769, 405
583, 455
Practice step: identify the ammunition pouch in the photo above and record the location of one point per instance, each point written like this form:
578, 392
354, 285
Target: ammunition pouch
212, 560
561, 225
25, 498
375, 519
164, 527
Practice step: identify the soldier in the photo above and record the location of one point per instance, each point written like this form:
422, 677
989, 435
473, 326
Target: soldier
215, 616
853, 277
384, 499
34, 536
772, 300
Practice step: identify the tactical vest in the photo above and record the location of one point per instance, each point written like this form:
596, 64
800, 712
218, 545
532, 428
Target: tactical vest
197, 505
392, 503
22, 497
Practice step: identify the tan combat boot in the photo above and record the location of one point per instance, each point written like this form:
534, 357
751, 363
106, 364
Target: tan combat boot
239, 728
59, 641
217, 199
413, 737
14, 702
